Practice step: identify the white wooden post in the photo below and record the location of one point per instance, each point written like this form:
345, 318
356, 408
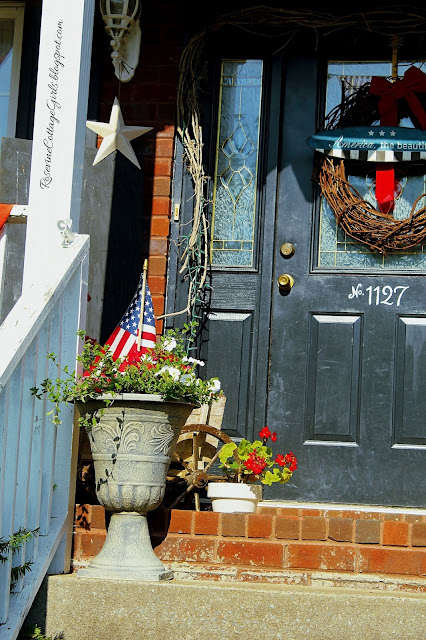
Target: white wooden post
59, 130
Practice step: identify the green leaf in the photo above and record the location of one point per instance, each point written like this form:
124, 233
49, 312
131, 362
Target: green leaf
285, 475
244, 449
268, 478
227, 451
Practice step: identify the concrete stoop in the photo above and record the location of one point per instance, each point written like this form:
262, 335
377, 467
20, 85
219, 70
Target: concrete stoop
73, 608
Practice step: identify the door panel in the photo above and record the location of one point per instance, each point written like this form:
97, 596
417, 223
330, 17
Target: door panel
410, 396
333, 378
347, 383
233, 331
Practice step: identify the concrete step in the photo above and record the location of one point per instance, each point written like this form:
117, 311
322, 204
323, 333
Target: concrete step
97, 609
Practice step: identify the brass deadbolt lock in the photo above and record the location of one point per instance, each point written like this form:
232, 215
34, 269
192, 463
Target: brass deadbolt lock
287, 250
285, 282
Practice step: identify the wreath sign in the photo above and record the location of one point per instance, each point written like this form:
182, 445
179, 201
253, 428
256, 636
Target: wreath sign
384, 145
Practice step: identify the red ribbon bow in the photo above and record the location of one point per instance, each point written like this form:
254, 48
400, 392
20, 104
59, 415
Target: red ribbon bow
414, 81
389, 94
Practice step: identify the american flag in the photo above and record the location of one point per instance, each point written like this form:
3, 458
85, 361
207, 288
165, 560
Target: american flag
123, 340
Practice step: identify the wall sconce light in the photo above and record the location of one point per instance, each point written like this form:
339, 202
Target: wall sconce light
121, 19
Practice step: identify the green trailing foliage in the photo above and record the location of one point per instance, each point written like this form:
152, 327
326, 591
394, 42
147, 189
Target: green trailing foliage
13, 545
165, 370
37, 634
15, 542
34, 632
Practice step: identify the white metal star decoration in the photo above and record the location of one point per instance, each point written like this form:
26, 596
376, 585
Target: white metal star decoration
116, 135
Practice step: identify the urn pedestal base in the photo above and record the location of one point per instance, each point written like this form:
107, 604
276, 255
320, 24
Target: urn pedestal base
127, 553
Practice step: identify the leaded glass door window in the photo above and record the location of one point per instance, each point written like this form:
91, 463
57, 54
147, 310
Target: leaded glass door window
337, 250
236, 164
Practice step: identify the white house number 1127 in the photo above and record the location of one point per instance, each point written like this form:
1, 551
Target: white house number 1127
379, 295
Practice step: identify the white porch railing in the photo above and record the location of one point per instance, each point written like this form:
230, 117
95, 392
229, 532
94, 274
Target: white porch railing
35, 456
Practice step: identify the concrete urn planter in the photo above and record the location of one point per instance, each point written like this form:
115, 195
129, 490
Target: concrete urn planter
234, 497
132, 445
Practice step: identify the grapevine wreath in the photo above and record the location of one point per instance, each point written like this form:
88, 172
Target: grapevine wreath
350, 136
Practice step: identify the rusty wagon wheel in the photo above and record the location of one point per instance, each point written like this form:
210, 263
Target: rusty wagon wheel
191, 468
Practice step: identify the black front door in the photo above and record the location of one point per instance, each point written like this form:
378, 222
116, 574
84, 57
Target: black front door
337, 365
347, 378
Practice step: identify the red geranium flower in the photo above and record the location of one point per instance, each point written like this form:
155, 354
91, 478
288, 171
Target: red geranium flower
255, 463
265, 433
291, 460
280, 460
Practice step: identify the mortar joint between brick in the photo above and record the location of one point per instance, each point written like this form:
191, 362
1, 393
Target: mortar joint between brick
215, 548
357, 559
273, 528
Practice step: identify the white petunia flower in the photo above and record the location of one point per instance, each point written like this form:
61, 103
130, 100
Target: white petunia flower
193, 360
172, 371
169, 344
187, 378
214, 386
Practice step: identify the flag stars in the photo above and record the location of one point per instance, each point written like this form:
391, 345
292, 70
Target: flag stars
381, 133
371, 133
393, 133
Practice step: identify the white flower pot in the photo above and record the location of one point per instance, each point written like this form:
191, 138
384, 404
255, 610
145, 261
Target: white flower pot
233, 497
132, 445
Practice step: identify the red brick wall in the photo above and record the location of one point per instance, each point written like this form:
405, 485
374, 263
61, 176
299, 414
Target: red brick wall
263, 545
149, 99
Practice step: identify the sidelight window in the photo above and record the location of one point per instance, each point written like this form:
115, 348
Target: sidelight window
236, 167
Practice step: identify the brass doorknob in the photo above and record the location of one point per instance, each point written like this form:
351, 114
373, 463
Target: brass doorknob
287, 250
285, 282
